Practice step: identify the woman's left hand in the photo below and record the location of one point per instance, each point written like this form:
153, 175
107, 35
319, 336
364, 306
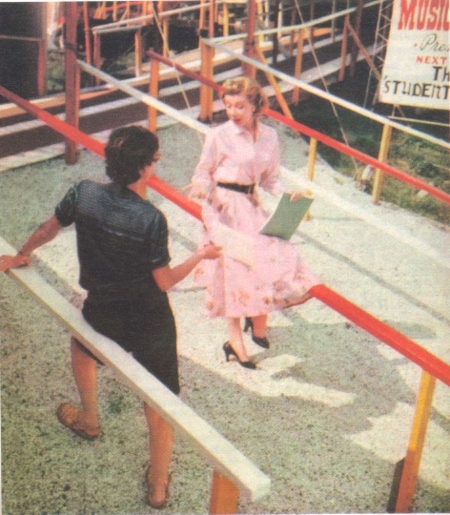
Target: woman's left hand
296, 195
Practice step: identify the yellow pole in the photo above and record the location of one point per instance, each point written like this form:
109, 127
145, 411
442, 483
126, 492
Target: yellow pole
224, 495
153, 91
298, 64
281, 100
416, 443
382, 156
311, 166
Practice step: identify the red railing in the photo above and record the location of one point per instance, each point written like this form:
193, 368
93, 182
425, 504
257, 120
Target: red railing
327, 140
413, 351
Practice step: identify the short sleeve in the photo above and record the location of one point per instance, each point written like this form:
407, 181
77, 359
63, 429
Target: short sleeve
66, 209
159, 243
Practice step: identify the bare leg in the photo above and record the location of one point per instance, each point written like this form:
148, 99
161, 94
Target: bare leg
161, 443
236, 340
259, 326
85, 373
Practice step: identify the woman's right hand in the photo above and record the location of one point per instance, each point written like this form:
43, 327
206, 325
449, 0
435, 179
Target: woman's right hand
211, 251
197, 191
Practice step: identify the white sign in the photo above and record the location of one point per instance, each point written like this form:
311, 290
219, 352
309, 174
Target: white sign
416, 69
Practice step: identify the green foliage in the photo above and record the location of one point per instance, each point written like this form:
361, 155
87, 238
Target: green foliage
410, 154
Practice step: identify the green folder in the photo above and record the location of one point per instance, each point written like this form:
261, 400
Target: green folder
286, 217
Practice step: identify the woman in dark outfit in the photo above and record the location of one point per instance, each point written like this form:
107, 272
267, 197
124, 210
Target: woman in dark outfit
122, 242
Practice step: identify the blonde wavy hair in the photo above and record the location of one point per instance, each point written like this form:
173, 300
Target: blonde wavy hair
250, 88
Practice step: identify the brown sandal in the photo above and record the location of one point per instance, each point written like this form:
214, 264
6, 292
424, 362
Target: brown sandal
161, 504
68, 416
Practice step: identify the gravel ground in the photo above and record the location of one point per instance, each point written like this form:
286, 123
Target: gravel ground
328, 414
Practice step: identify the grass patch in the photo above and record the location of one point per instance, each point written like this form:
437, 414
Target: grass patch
410, 154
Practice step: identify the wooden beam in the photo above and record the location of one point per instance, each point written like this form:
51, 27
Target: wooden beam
216, 450
364, 52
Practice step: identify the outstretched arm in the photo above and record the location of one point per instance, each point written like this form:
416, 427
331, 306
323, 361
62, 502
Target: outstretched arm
43, 234
166, 277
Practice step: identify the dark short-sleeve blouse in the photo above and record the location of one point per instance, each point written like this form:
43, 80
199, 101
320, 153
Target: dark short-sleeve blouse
121, 238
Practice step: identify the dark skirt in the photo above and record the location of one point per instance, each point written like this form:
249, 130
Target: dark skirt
146, 330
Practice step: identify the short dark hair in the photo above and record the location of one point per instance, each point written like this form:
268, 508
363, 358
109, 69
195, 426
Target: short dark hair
128, 151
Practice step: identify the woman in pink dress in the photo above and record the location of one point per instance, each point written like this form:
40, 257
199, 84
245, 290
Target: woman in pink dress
239, 156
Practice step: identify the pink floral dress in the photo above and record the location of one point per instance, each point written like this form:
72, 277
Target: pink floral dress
279, 277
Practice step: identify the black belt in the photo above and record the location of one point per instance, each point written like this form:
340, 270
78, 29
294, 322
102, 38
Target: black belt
241, 188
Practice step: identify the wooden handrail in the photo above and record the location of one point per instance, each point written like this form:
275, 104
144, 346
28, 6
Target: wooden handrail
217, 451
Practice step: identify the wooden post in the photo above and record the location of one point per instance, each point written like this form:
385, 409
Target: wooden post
97, 54
226, 21
333, 21
153, 91
212, 19
42, 51
354, 54
165, 24
249, 43
87, 36
72, 78
416, 443
292, 35
276, 17
138, 53
298, 64
224, 496
201, 20
382, 156
344, 50
206, 92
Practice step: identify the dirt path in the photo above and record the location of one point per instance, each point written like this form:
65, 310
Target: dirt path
328, 415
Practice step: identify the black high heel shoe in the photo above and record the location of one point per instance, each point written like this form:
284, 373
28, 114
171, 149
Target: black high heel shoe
229, 351
262, 342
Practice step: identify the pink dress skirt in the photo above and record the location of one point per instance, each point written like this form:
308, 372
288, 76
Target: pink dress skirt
279, 278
